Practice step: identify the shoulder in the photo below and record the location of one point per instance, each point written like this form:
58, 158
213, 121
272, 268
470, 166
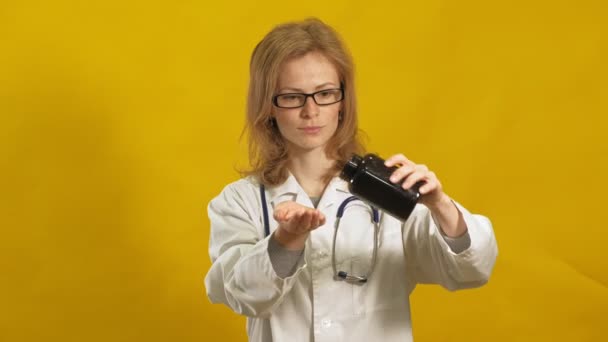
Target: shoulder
242, 189
243, 184
241, 198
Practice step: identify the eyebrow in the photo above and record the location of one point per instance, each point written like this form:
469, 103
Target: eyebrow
300, 90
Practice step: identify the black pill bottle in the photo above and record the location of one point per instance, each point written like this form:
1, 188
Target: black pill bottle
368, 179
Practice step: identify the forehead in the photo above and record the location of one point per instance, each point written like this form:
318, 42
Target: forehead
307, 71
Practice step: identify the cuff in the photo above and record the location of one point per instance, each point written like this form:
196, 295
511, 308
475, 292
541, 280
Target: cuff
285, 262
458, 244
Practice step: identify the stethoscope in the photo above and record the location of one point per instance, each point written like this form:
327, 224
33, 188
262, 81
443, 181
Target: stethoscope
338, 275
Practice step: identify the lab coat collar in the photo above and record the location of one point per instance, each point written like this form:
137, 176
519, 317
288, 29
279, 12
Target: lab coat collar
292, 187
289, 186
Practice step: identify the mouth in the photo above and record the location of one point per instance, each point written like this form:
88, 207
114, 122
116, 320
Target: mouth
311, 129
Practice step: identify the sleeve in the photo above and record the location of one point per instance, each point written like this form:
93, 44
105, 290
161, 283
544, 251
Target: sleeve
433, 261
241, 275
459, 244
284, 261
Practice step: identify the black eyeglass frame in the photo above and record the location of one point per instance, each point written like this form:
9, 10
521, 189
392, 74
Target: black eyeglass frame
306, 96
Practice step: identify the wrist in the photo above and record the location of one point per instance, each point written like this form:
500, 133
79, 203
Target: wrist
443, 204
288, 240
448, 217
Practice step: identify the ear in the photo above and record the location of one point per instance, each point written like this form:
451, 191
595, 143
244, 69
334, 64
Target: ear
272, 122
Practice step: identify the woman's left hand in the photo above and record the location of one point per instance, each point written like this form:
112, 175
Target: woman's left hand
431, 191
448, 216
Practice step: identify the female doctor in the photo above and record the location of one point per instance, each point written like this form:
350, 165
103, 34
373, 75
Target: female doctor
278, 256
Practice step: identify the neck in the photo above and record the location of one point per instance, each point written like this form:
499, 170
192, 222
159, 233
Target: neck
309, 169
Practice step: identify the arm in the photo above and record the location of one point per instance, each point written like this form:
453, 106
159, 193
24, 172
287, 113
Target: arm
432, 260
443, 242
241, 274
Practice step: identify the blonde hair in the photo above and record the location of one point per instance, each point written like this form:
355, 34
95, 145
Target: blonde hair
268, 156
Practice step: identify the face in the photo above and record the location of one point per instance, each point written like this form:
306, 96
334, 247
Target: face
310, 127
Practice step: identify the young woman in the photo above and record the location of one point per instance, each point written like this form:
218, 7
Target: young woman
277, 254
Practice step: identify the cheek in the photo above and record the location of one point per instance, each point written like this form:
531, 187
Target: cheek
333, 116
286, 121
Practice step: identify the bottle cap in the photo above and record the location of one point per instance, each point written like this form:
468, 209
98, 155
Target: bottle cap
348, 171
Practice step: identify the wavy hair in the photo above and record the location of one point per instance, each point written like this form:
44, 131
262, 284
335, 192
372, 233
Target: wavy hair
268, 154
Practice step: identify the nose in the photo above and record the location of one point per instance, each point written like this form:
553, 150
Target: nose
311, 108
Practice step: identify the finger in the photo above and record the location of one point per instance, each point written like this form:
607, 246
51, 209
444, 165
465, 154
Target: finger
292, 221
284, 204
299, 213
305, 220
279, 215
428, 187
397, 159
282, 209
401, 173
315, 221
414, 178
420, 168
432, 184
320, 219
292, 214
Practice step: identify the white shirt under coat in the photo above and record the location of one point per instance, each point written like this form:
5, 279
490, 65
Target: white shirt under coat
310, 305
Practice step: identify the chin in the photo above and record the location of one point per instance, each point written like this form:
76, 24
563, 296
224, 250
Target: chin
308, 145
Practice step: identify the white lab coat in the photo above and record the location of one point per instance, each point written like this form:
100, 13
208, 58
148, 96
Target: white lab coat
310, 305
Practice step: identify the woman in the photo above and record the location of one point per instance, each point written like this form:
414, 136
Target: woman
272, 231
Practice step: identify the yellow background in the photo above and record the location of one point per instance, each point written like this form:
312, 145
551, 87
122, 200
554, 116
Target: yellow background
119, 121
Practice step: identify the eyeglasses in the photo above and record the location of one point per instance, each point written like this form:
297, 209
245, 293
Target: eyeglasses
297, 100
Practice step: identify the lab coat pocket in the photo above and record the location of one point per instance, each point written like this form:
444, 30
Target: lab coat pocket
354, 250
349, 299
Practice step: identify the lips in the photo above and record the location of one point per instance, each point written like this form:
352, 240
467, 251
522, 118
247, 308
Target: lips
311, 129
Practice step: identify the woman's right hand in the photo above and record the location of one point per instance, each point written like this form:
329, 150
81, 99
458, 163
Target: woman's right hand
295, 224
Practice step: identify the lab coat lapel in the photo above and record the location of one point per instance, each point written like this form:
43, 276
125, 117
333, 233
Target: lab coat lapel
335, 191
289, 190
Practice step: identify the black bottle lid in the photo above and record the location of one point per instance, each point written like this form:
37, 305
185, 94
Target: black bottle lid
349, 170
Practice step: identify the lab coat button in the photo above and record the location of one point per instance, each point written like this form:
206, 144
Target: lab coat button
326, 323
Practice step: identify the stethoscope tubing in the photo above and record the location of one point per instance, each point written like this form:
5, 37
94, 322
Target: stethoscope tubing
342, 275
338, 275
